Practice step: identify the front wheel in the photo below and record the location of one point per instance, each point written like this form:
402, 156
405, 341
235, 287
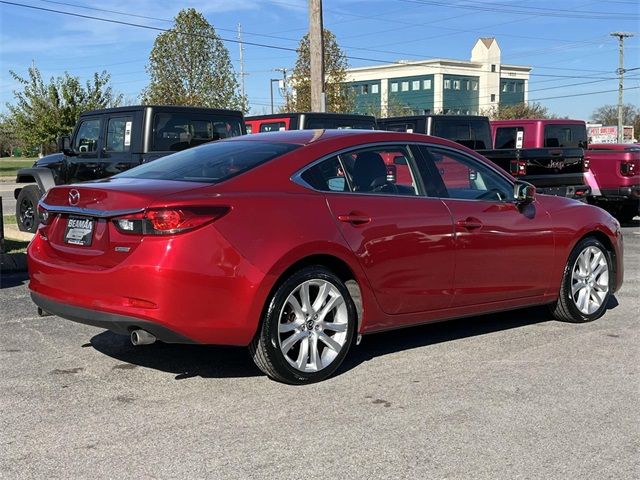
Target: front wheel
586, 284
308, 328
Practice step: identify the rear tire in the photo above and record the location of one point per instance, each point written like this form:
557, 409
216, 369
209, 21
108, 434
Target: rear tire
626, 212
27, 208
586, 284
307, 329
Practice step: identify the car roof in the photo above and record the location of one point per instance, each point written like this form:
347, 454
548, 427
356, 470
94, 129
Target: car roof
275, 116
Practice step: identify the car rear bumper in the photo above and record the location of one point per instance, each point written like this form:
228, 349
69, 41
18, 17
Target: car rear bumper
120, 324
199, 291
628, 192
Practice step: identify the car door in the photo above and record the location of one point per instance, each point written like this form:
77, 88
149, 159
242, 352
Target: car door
120, 139
402, 239
87, 145
503, 250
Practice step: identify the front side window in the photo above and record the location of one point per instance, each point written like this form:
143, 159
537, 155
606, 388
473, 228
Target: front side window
211, 163
119, 134
86, 140
462, 177
178, 131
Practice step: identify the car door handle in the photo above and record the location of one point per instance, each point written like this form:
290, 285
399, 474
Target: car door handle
354, 219
470, 223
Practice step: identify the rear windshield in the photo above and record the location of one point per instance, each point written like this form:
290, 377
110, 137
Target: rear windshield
178, 131
211, 163
565, 136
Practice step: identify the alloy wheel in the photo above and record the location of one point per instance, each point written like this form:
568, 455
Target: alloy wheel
590, 280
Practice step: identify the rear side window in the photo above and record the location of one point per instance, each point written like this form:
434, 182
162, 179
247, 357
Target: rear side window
400, 127
340, 124
509, 137
177, 131
474, 134
119, 134
384, 170
273, 127
211, 163
565, 136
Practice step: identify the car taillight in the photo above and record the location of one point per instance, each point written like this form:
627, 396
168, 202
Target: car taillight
43, 215
518, 167
629, 168
166, 221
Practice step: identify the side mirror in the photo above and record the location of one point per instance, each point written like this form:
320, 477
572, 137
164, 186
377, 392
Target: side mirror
64, 145
523, 192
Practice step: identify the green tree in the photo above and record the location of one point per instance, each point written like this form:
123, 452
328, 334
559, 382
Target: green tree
608, 115
519, 110
189, 65
338, 98
45, 110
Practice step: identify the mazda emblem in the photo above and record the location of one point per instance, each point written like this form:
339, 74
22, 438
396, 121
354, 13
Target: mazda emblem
74, 197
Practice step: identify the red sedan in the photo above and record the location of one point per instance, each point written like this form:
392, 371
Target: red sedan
297, 243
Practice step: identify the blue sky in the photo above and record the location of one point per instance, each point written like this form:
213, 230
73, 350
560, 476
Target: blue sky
566, 43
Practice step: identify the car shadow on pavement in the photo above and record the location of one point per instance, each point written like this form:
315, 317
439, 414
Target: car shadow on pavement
9, 280
187, 361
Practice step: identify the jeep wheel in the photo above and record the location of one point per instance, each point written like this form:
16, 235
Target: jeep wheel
27, 208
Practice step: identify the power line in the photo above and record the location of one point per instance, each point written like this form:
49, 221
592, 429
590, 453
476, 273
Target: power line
522, 10
574, 42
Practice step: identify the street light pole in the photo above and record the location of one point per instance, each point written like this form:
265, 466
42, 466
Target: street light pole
316, 54
271, 91
621, 36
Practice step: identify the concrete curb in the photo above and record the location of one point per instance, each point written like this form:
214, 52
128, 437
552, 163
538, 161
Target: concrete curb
14, 262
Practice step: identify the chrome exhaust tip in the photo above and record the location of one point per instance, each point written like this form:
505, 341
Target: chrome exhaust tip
142, 337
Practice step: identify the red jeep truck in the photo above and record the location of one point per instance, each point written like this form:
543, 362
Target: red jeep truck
611, 171
307, 121
615, 178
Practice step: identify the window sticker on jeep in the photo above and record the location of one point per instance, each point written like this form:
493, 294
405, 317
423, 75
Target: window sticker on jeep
127, 134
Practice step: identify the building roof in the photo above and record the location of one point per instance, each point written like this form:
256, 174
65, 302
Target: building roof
487, 41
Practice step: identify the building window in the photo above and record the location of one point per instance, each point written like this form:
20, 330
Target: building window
447, 84
415, 85
474, 85
405, 86
394, 86
364, 89
467, 84
456, 84
520, 87
426, 84
504, 87
493, 67
374, 88
493, 97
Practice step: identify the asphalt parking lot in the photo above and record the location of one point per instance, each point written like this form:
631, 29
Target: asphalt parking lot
513, 395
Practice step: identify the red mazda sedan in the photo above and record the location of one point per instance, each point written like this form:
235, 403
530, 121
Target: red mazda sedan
297, 243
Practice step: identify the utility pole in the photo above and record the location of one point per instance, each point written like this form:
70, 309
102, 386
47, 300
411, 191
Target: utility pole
242, 74
316, 52
621, 36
